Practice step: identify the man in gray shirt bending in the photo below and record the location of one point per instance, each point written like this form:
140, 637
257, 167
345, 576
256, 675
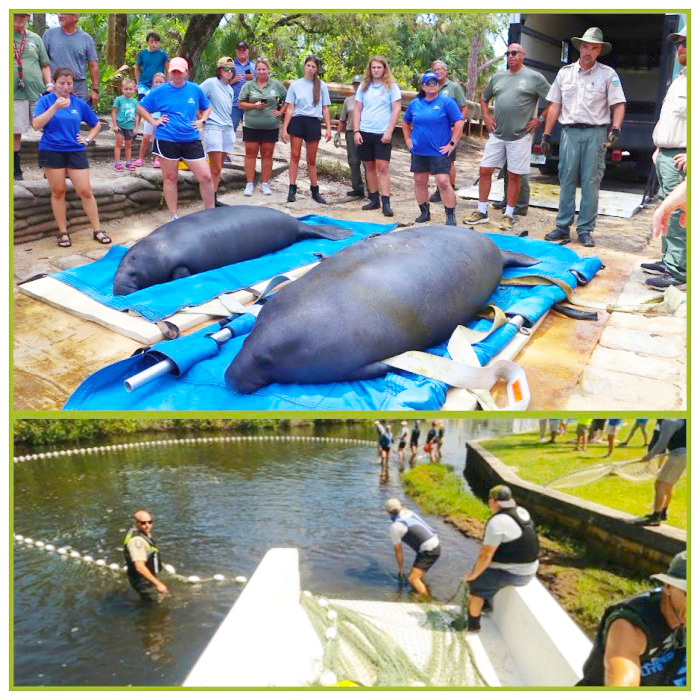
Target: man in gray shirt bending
70, 47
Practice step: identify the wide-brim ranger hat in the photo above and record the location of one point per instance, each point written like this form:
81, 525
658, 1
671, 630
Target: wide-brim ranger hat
178, 64
676, 574
680, 34
593, 35
427, 77
224, 61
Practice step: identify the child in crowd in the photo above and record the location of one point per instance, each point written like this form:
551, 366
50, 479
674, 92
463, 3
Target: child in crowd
124, 123
150, 62
148, 130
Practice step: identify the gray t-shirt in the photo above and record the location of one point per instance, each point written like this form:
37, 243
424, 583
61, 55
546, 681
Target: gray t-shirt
220, 96
72, 51
515, 96
347, 111
301, 96
502, 528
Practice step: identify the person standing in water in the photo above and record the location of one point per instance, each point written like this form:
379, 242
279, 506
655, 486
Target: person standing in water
143, 558
385, 439
403, 440
415, 436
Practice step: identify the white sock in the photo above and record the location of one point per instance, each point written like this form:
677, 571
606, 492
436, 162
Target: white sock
509, 210
483, 207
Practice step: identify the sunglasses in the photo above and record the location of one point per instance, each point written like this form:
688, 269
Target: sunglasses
681, 42
512, 53
145, 522
228, 69
432, 83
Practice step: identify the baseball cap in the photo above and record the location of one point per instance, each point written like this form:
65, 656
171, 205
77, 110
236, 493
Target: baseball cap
427, 77
356, 79
681, 34
503, 495
676, 574
393, 505
178, 64
242, 45
224, 61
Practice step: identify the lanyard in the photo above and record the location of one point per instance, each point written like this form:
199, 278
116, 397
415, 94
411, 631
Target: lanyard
18, 56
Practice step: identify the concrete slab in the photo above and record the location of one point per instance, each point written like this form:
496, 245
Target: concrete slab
642, 394
607, 359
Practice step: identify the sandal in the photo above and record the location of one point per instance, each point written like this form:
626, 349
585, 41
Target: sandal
64, 239
101, 237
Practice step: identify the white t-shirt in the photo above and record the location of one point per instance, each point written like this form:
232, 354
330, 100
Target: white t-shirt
502, 528
220, 95
376, 107
301, 95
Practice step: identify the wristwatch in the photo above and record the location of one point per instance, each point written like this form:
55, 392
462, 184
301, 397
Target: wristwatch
452, 143
88, 142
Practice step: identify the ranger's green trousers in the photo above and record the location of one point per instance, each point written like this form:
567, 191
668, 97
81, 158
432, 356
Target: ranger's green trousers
673, 244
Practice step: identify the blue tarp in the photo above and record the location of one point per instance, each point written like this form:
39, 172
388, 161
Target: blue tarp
199, 382
162, 300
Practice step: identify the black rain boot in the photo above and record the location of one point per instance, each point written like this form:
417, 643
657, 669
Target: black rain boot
473, 623
292, 196
316, 195
450, 217
386, 207
373, 201
435, 196
424, 213
217, 203
18, 169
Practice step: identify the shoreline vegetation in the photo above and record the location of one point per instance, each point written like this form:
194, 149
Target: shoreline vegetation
582, 583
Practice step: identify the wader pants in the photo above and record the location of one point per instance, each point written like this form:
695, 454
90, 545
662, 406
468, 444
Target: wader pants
673, 244
580, 152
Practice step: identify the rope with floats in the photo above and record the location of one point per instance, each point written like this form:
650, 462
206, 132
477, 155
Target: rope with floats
68, 552
190, 441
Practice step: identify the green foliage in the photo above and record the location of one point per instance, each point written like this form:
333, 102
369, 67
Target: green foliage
333, 170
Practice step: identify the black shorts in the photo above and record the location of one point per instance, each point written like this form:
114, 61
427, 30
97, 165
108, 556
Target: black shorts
435, 165
128, 134
173, 150
260, 135
424, 560
402, 444
414, 440
372, 147
307, 128
77, 160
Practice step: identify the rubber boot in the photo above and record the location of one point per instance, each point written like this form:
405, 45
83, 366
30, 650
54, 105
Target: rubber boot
292, 196
435, 198
373, 201
386, 207
424, 213
450, 217
473, 623
18, 169
316, 195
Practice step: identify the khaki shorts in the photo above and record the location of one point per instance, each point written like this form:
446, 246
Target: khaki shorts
517, 153
23, 110
673, 468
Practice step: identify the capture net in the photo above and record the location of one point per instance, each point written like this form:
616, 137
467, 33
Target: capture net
384, 644
631, 469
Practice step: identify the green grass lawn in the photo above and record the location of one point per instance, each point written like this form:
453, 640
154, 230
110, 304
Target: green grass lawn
541, 463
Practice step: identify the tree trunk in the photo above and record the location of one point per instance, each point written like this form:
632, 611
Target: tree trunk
120, 40
111, 47
477, 42
199, 31
39, 23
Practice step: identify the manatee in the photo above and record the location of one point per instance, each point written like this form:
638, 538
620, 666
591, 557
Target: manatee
210, 239
405, 290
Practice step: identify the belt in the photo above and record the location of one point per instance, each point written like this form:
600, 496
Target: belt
584, 126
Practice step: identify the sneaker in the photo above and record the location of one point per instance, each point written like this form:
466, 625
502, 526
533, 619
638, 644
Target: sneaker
119, 167
175, 218
138, 163
586, 240
656, 266
130, 166
156, 163
558, 235
663, 281
649, 520
507, 223
248, 191
355, 193
476, 217
265, 188
499, 205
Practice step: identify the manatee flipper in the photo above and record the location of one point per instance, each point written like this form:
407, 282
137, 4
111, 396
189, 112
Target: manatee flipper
181, 271
332, 233
517, 259
370, 371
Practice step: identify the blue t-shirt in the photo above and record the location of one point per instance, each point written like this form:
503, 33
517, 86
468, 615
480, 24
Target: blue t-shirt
376, 104
240, 69
126, 111
61, 131
149, 63
301, 96
180, 105
432, 124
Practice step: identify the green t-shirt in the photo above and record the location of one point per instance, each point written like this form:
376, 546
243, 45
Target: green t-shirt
515, 99
262, 118
126, 111
34, 57
453, 90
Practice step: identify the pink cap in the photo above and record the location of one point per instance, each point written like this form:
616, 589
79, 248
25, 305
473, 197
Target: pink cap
179, 64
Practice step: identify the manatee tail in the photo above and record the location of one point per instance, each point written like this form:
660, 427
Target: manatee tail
517, 259
332, 233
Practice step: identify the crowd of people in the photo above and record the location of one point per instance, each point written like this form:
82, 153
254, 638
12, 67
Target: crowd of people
432, 447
